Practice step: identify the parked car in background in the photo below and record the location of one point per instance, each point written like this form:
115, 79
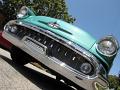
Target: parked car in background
65, 50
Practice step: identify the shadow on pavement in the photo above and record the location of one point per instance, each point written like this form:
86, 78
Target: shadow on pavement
42, 81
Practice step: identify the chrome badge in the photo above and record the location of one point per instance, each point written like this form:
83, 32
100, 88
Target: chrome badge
53, 24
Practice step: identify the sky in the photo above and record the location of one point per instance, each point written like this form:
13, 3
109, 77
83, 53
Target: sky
99, 18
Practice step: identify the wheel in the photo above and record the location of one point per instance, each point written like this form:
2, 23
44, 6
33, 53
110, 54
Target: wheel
20, 57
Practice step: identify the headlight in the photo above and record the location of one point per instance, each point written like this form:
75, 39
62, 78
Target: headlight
23, 12
11, 28
7, 27
86, 68
108, 46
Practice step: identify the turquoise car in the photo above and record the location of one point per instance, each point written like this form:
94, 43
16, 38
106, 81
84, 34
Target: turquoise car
68, 52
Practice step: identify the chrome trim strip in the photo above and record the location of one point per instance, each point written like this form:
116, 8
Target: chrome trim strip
32, 43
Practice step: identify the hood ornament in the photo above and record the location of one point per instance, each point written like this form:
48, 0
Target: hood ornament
54, 25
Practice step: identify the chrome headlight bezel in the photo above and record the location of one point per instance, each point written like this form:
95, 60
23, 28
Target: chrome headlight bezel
111, 40
11, 28
23, 12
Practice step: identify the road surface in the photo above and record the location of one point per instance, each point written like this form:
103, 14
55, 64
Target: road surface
14, 77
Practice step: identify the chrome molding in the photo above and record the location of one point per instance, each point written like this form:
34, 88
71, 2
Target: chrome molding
109, 38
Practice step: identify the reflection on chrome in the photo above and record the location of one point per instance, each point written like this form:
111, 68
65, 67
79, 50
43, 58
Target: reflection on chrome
65, 57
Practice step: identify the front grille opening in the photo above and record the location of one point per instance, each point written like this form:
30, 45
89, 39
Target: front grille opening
55, 49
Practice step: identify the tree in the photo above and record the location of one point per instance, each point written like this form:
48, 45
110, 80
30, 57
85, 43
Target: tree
2, 18
119, 74
114, 82
51, 8
118, 88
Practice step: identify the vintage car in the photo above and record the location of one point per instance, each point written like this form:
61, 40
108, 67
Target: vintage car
67, 51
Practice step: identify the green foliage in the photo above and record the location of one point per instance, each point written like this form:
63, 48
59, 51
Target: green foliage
52, 8
114, 82
118, 88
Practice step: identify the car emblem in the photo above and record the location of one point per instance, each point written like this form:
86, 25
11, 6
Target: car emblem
53, 24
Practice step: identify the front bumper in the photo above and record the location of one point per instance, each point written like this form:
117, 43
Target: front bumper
86, 82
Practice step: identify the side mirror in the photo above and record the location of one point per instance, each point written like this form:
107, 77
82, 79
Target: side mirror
25, 12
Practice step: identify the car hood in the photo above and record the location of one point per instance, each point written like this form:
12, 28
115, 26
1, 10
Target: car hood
65, 30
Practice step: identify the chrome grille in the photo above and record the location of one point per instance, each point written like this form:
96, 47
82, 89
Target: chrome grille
55, 49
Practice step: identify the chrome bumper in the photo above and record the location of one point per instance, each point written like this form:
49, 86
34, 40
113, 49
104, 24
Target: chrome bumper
87, 83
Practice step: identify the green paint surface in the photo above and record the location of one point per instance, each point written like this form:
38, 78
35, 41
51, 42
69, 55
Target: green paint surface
66, 30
